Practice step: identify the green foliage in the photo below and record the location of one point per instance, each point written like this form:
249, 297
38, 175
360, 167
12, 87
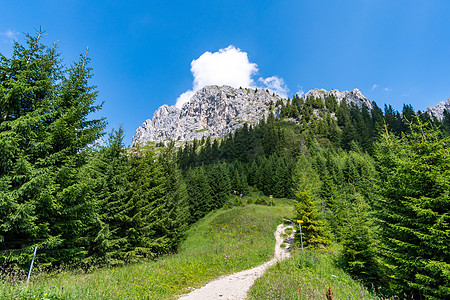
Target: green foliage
224, 242
306, 189
45, 132
308, 275
146, 235
109, 171
199, 193
359, 254
176, 202
414, 210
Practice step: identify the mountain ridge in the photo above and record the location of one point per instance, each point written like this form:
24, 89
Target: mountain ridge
215, 111
212, 111
437, 111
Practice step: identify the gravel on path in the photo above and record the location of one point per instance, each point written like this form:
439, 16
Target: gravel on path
236, 286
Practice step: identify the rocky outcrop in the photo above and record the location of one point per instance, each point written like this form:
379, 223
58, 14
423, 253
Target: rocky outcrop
355, 96
212, 111
437, 111
217, 111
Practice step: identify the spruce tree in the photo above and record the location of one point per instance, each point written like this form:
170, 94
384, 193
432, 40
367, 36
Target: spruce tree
199, 193
176, 201
414, 210
109, 170
359, 249
306, 189
44, 134
146, 236
220, 184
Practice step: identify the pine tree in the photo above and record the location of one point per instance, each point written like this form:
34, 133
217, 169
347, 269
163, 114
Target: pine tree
306, 189
199, 193
414, 210
220, 184
359, 248
146, 236
176, 201
44, 134
109, 170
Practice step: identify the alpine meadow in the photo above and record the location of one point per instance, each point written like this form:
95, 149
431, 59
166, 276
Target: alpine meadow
203, 187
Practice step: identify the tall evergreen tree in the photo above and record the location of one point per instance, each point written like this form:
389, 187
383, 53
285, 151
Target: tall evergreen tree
220, 184
44, 134
414, 210
306, 190
176, 201
146, 235
109, 171
199, 193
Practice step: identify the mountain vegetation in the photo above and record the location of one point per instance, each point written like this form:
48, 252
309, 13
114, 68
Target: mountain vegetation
375, 182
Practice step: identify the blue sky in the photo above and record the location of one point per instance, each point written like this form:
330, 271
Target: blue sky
394, 51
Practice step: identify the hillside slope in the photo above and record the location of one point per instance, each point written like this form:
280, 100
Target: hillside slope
224, 242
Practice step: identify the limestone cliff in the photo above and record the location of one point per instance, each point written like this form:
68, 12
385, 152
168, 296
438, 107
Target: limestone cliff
355, 96
217, 111
437, 111
212, 111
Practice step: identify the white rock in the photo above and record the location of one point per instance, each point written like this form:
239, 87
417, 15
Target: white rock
355, 96
437, 111
216, 111
212, 111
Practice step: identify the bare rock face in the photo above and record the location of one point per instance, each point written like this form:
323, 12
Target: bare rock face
213, 111
217, 111
355, 96
437, 111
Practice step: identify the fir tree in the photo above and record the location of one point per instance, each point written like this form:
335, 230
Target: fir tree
199, 193
359, 248
44, 134
306, 188
220, 184
414, 210
176, 201
146, 235
109, 171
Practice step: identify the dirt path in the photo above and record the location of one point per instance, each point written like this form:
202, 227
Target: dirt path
235, 286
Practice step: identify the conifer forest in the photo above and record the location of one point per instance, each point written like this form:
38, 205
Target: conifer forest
375, 181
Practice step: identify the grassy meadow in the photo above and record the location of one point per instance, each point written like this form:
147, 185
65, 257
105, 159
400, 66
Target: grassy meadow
225, 241
308, 275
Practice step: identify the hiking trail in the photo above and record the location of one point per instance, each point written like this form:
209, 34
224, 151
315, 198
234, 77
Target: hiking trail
236, 285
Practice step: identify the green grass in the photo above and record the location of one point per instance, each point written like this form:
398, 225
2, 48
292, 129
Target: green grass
289, 231
308, 275
226, 241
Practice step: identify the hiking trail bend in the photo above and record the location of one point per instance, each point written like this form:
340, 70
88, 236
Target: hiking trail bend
236, 285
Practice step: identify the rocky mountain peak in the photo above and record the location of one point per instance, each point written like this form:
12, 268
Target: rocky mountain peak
355, 96
437, 111
213, 111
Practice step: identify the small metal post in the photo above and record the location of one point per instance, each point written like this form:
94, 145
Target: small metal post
31, 266
301, 238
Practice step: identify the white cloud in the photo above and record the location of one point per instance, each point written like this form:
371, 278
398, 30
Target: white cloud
300, 91
276, 85
228, 66
387, 90
374, 86
11, 35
